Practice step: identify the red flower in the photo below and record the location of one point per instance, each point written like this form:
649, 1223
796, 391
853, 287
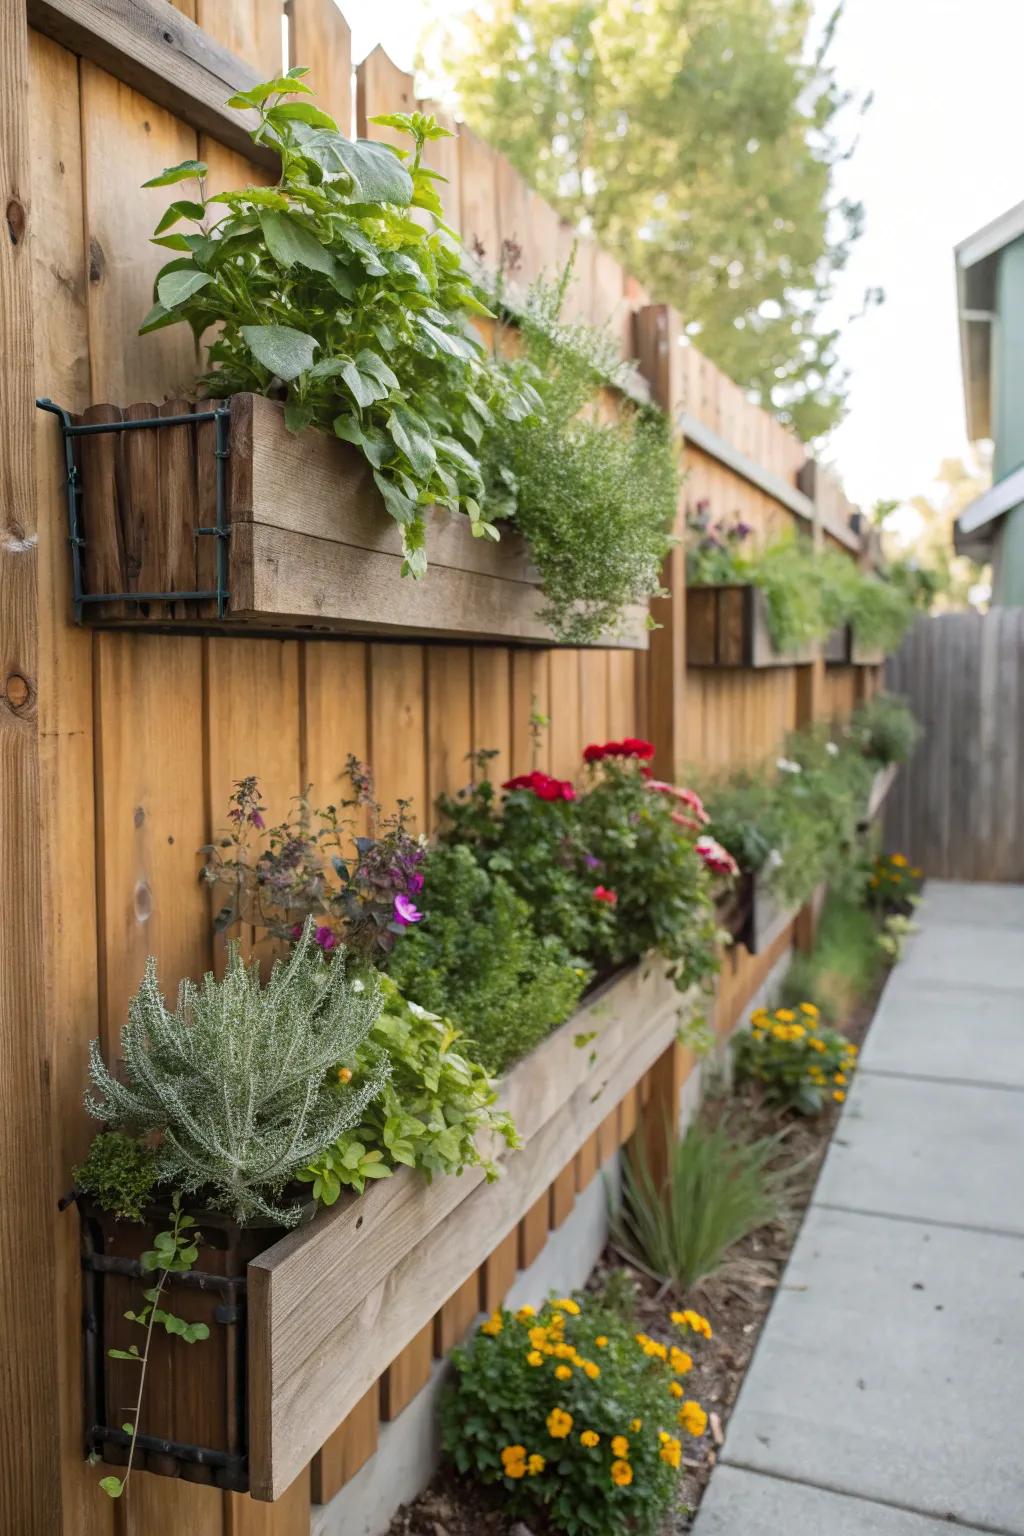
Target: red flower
602, 893
631, 746
635, 746
718, 859
594, 753
543, 786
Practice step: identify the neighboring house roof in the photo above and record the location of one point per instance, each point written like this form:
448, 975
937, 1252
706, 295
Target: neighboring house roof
975, 290
975, 527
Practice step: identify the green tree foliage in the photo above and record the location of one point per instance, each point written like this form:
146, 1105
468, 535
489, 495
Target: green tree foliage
697, 139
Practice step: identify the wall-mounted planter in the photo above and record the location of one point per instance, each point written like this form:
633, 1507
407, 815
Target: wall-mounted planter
727, 626
302, 1326
193, 1423
863, 655
836, 646
733, 909
770, 916
881, 784
219, 517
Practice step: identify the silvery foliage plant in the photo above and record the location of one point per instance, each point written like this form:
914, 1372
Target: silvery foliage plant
241, 1078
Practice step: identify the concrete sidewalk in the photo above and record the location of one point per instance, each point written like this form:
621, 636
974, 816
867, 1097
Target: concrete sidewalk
887, 1392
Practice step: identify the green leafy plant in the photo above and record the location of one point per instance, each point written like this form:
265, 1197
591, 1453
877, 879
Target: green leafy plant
798, 1062
844, 965
434, 1108
119, 1173
174, 1252
574, 1416
235, 1078
718, 1190
329, 295
886, 729
476, 959
594, 496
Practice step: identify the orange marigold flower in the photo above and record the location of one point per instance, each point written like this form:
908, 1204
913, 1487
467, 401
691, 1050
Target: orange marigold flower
621, 1474
693, 1418
559, 1423
589, 1438
563, 1372
535, 1465
620, 1446
493, 1325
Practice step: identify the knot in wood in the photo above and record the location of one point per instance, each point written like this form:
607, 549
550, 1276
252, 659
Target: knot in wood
16, 220
19, 693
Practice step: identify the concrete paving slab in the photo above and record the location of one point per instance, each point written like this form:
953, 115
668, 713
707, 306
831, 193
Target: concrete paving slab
890, 1369
930, 1151
960, 955
986, 906
960, 1033
740, 1503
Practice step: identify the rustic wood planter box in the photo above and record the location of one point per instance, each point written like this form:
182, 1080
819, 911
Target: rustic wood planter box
770, 916
882, 783
307, 544
193, 1422
727, 626
836, 646
862, 655
302, 1324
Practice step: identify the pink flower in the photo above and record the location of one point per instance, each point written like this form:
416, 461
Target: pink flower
415, 881
326, 938
406, 911
718, 859
688, 797
602, 893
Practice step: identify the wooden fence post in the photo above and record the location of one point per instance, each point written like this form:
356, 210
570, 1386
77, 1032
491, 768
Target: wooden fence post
29, 1476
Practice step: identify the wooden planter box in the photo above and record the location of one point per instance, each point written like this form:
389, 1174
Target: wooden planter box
727, 626
769, 917
862, 655
836, 647
882, 783
309, 547
302, 1325
193, 1422
733, 909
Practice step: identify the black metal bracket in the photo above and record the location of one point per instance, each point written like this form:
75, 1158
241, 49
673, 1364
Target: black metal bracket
70, 432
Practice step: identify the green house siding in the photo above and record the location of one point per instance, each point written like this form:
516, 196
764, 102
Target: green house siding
1008, 416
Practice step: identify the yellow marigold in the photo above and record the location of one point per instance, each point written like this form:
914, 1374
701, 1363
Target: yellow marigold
620, 1446
900, 860
538, 1336
535, 1357
493, 1325
693, 1418
636, 1426
785, 1015
680, 1361
839, 1096
759, 1015
818, 1045
797, 1031
657, 1351
567, 1305
810, 1009
698, 1323
671, 1452
525, 1313
590, 1438
563, 1372
675, 1389
601, 1341
564, 1352
559, 1423
535, 1465
642, 1339
591, 1370
917, 873
513, 1459
621, 1474
515, 1469
839, 1078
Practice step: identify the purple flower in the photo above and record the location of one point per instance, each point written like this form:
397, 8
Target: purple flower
257, 820
591, 862
406, 911
326, 938
415, 881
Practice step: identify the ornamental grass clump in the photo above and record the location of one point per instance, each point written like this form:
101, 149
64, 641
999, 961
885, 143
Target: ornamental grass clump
798, 1062
235, 1081
578, 1419
718, 1190
477, 959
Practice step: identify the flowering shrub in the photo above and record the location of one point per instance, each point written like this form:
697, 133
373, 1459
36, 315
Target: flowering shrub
429, 1113
478, 960
894, 882
575, 1415
799, 1062
314, 864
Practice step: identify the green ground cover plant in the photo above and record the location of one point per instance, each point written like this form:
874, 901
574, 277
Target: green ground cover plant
844, 965
576, 1418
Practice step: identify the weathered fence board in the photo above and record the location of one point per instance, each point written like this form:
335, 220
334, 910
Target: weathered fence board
957, 811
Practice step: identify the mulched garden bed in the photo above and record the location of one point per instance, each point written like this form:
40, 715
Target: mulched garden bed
737, 1302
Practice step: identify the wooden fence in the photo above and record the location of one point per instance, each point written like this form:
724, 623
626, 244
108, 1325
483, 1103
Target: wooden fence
958, 812
118, 750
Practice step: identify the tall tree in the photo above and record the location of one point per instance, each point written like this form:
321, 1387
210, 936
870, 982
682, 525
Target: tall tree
697, 139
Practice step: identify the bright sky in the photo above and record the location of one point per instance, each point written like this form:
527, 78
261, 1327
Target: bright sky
938, 157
